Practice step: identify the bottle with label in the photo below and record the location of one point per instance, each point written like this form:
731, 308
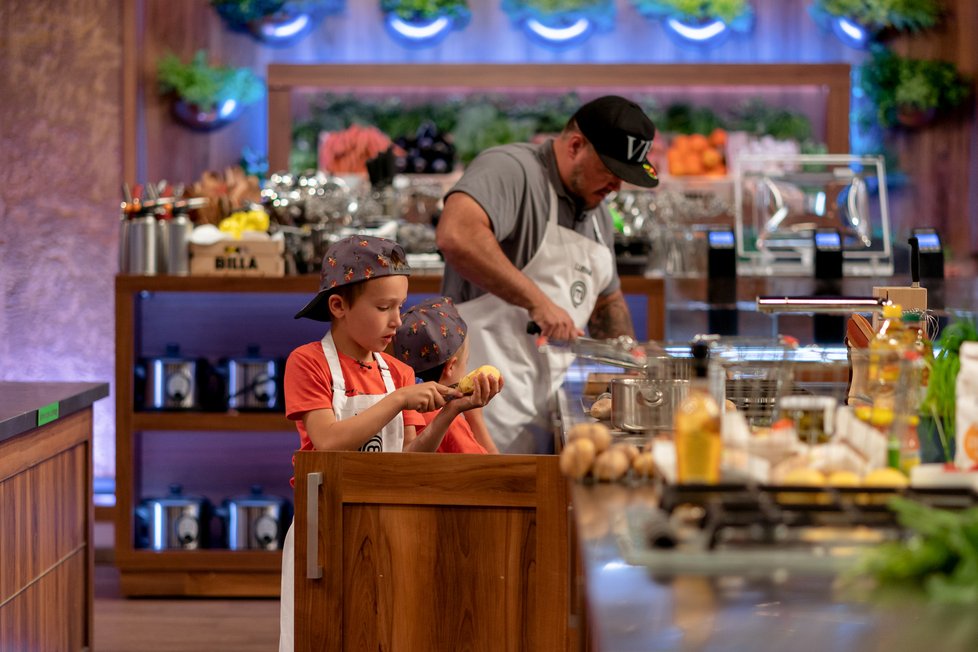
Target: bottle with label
886, 365
966, 407
697, 427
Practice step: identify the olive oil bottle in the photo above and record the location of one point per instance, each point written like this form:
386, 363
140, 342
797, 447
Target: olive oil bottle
697, 427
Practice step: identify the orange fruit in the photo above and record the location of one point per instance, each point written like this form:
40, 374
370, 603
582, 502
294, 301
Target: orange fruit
711, 158
698, 142
718, 137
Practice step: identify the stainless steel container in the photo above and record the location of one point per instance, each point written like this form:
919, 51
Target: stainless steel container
254, 382
174, 522
171, 382
178, 232
645, 405
141, 243
256, 521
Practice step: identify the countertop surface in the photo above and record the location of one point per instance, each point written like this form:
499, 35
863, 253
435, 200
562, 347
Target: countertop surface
633, 608
20, 403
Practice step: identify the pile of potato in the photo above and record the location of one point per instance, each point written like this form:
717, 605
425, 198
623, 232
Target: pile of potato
590, 451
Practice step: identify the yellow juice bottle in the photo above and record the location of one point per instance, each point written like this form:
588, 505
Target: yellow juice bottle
697, 427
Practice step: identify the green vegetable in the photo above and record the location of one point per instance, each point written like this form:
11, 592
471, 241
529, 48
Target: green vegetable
939, 401
942, 553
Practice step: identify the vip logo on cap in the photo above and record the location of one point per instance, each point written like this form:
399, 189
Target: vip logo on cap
638, 149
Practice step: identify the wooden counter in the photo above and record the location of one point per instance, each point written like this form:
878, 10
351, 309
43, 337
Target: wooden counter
46, 559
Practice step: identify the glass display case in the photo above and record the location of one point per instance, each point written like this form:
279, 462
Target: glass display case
783, 203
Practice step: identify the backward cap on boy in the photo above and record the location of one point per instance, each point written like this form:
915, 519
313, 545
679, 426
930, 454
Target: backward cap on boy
431, 332
352, 260
622, 135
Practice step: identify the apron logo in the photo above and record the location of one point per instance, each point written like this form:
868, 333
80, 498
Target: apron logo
374, 445
578, 291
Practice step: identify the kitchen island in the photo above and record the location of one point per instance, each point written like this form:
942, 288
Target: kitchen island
632, 604
46, 514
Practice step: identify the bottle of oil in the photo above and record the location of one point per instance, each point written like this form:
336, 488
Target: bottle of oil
885, 363
697, 427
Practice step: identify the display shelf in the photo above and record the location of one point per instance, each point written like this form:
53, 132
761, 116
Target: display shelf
246, 421
216, 572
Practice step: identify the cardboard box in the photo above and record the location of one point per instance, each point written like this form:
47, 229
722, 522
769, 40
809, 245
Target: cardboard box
238, 258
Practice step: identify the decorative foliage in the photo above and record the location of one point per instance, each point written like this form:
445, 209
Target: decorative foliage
426, 9
737, 14
238, 14
893, 83
601, 13
207, 86
478, 122
899, 15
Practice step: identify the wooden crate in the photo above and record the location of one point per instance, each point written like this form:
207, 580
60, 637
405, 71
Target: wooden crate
238, 258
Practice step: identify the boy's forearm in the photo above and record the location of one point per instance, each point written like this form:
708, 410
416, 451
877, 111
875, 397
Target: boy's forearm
352, 433
430, 438
478, 426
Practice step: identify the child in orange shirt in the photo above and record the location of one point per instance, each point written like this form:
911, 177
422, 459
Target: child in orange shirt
343, 392
433, 340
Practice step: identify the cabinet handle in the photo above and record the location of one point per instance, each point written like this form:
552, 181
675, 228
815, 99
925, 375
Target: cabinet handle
313, 570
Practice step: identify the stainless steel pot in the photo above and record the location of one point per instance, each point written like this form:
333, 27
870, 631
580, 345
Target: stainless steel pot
254, 382
171, 381
173, 522
645, 405
256, 521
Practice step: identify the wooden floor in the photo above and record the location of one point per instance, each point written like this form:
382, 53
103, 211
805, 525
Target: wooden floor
153, 625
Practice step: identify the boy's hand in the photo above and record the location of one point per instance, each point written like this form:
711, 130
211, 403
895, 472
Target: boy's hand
485, 388
425, 397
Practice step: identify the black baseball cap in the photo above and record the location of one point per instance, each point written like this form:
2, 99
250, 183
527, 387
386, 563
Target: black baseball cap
621, 134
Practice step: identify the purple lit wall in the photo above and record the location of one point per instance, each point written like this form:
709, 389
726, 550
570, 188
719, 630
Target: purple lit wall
60, 144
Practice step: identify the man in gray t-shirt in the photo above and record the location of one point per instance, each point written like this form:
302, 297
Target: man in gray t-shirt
526, 237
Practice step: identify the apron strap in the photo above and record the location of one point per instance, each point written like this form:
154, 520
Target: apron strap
385, 372
597, 230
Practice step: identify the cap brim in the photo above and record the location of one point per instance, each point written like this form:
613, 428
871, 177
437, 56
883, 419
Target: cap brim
637, 174
317, 309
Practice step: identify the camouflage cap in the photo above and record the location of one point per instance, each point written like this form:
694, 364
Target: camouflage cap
431, 332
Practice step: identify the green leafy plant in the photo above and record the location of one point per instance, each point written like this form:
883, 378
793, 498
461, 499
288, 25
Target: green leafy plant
207, 86
941, 556
238, 13
425, 9
939, 401
899, 15
893, 83
728, 11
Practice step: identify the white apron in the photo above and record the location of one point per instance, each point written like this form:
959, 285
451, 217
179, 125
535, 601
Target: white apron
389, 439
570, 269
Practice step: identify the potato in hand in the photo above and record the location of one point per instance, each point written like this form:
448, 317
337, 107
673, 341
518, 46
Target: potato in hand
467, 384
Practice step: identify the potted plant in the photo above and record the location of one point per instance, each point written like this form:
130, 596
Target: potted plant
560, 23
910, 91
422, 23
858, 22
275, 22
207, 97
706, 22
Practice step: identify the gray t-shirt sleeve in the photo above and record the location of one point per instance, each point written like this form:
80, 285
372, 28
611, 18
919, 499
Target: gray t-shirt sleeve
497, 182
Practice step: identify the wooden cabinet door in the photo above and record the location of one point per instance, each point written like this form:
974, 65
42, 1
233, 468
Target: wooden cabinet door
430, 552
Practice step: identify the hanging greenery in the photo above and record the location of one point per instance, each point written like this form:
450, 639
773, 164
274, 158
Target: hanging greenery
425, 9
207, 86
899, 15
732, 12
894, 83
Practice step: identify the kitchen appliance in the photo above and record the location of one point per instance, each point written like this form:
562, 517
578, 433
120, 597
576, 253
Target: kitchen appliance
256, 521
648, 404
173, 522
254, 382
170, 381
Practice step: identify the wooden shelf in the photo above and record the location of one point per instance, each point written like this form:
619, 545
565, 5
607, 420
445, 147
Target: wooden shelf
210, 559
249, 421
305, 283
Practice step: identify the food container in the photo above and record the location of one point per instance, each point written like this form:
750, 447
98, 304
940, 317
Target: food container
644, 404
256, 521
174, 522
254, 382
170, 381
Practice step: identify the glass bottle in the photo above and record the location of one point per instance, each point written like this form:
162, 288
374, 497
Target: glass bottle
886, 363
697, 427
